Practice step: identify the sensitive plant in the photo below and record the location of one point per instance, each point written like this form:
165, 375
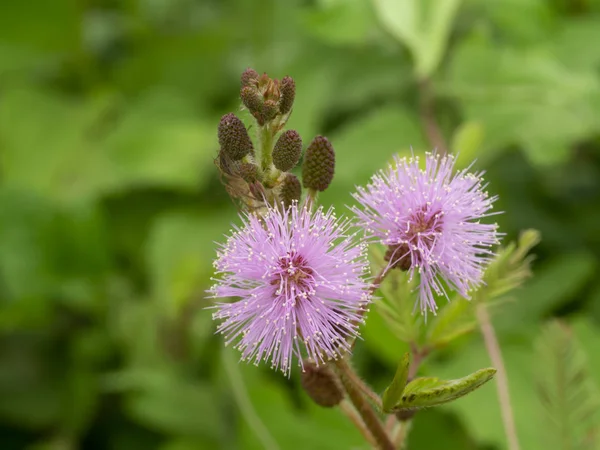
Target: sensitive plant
293, 285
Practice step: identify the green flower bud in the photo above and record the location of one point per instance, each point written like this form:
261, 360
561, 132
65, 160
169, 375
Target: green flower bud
290, 190
233, 137
288, 93
249, 77
319, 164
287, 151
321, 385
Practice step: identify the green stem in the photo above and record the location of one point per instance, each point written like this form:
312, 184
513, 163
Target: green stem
400, 433
362, 406
493, 349
266, 148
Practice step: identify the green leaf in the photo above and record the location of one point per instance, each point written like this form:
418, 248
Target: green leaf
569, 395
452, 321
430, 391
423, 26
510, 267
393, 392
397, 306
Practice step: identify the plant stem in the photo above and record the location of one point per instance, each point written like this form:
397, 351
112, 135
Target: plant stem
493, 349
400, 433
355, 418
362, 406
364, 388
266, 148
428, 119
378, 280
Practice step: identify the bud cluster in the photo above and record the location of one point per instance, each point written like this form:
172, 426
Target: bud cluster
267, 99
260, 176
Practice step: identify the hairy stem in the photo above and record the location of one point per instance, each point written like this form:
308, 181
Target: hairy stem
493, 349
363, 407
428, 120
265, 138
350, 412
364, 388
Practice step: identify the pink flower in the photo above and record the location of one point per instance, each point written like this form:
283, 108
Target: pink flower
297, 283
430, 220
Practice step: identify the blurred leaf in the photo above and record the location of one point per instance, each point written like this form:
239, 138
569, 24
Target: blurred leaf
509, 268
170, 402
554, 283
452, 321
179, 254
423, 26
311, 427
380, 340
397, 306
366, 144
525, 97
430, 391
341, 21
393, 392
466, 143
480, 412
570, 398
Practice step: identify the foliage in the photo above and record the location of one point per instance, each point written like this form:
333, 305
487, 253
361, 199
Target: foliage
110, 203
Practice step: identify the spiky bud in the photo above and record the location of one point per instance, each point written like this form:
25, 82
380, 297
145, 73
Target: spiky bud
249, 77
248, 172
290, 190
233, 137
319, 164
288, 93
321, 384
252, 99
287, 151
269, 111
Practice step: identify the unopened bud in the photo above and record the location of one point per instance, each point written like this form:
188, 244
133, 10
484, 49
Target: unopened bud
233, 137
252, 99
288, 93
249, 77
269, 111
321, 385
287, 151
319, 164
290, 190
248, 172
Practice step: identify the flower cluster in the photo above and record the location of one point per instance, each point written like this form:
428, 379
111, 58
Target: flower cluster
298, 280
430, 220
293, 281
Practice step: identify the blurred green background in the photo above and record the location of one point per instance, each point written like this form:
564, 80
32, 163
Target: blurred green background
110, 202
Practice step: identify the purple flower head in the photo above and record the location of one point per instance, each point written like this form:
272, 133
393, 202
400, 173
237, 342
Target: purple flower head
430, 220
298, 282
